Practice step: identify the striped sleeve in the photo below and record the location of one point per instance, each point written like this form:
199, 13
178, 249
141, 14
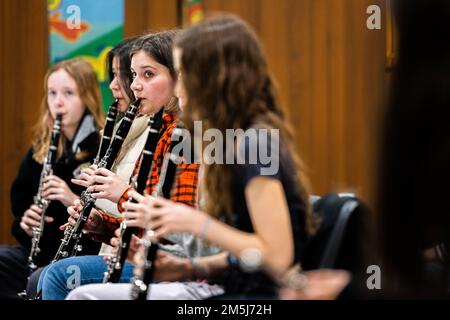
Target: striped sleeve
185, 188
124, 198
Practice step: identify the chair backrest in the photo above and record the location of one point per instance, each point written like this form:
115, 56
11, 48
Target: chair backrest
338, 241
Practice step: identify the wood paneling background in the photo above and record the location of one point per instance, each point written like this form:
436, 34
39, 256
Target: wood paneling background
23, 63
143, 16
329, 67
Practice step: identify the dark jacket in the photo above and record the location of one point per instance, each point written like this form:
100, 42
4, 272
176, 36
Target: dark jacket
25, 187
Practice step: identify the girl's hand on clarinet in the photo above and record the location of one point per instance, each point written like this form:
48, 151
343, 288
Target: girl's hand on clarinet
55, 188
134, 244
31, 219
92, 223
138, 262
115, 240
85, 178
135, 214
134, 248
165, 216
107, 185
73, 212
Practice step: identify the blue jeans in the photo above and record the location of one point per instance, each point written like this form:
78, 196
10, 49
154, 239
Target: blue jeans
59, 278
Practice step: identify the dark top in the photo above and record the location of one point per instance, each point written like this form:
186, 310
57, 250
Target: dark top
25, 187
268, 159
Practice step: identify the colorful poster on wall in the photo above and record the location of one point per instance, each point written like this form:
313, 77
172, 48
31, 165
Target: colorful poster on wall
192, 12
86, 29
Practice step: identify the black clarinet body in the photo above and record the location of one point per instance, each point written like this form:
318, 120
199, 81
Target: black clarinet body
144, 277
115, 265
70, 244
107, 131
47, 170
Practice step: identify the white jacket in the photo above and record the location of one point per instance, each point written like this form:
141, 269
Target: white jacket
124, 165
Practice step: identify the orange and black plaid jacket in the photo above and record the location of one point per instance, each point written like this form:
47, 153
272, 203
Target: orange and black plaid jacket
185, 186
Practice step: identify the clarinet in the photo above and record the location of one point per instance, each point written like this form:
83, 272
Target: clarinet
144, 277
107, 132
47, 170
115, 264
70, 244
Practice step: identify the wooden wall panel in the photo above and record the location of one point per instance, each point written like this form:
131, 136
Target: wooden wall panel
320, 101
162, 14
23, 63
136, 16
143, 16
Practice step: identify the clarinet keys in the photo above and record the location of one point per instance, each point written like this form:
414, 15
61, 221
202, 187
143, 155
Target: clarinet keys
38, 200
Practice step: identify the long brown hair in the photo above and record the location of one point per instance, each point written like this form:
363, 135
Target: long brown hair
122, 53
89, 91
229, 86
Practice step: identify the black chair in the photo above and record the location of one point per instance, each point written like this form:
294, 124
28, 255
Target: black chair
340, 240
